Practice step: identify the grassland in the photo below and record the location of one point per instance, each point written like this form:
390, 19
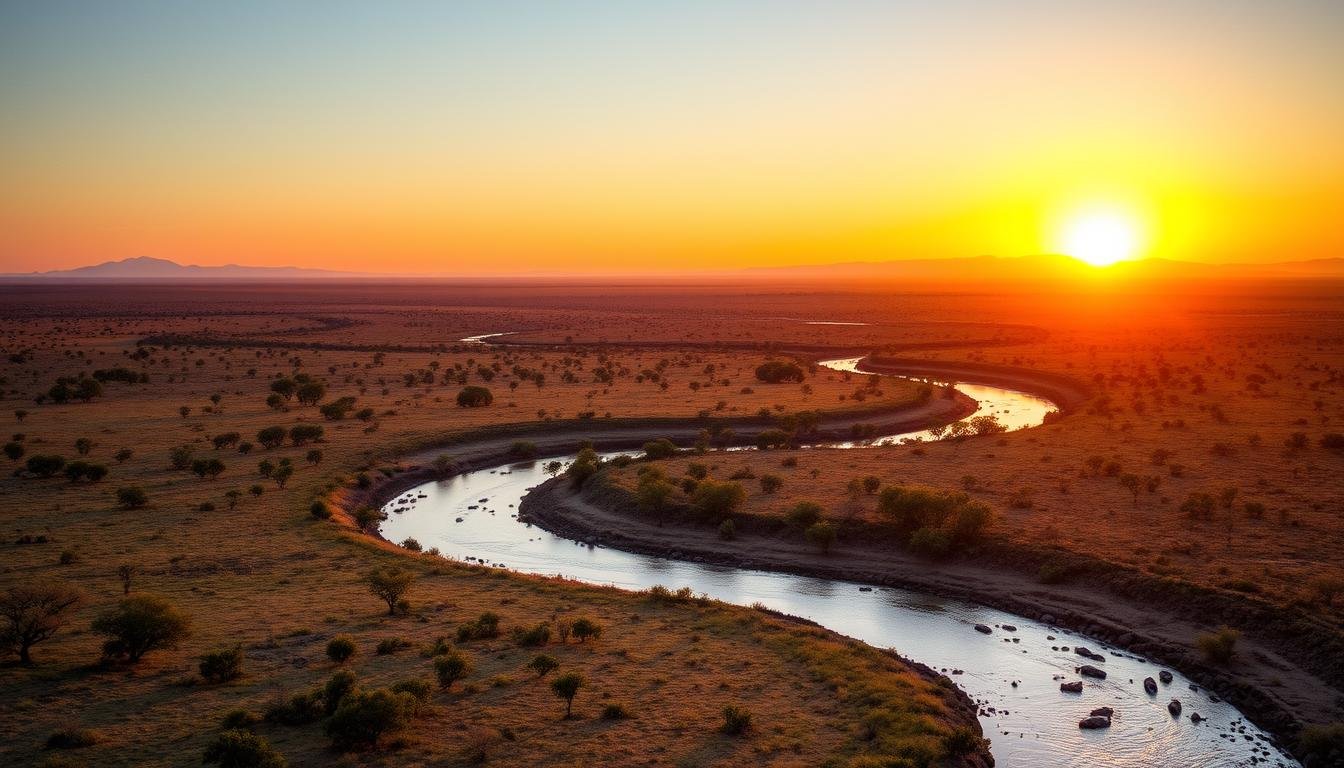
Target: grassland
255, 570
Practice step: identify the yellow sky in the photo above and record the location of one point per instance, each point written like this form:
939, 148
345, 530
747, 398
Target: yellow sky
496, 139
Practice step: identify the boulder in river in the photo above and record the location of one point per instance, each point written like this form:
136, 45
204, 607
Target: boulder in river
1102, 712
1165, 677
1174, 707
1087, 670
1074, 687
1195, 717
1150, 685
982, 629
1085, 653
1094, 721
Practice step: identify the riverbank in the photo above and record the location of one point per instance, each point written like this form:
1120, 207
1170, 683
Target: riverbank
1268, 687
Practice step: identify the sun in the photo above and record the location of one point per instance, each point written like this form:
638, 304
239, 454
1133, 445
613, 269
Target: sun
1100, 237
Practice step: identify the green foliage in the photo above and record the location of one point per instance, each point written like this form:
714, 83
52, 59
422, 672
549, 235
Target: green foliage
242, 749
340, 649
771, 483
451, 667
139, 624
543, 664
132, 497
713, 500
585, 629
484, 627
271, 437
803, 514
943, 520
389, 584
222, 665
736, 720
779, 371
302, 434
534, 637
45, 465
474, 397
660, 449
336, 688
822, 534
364, 716
567, 687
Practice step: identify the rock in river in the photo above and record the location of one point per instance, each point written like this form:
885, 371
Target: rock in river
1165, 677
1095, 721
1085, 653
1150, 685
982, 629
1087, 670
1174, 707
1102, 712
1074, 687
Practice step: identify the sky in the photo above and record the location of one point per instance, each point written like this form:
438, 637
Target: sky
540, 137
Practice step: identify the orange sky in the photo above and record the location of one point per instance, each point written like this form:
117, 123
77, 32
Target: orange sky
512, 137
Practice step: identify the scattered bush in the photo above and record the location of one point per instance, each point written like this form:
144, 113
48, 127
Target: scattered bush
543, 664
567, 687
72, 738
336, 688
239, 718
132, 497
474, 397
822, 534
615, 712
45, 465
714, 500
451, 667
242, 749
534, 637
484, 627
140, 624
804, 514
659, 449
364, 716
736, 720
298, 709
585, 629
389, 584
779, 371
340, 649
222, 665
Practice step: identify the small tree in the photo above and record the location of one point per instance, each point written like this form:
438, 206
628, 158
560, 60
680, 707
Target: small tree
45, 466
474, 397
140, 624
32, 613
14, 451
451, 667
389, 585
822, 534
585, 629
364, 716
543, 664
126, 572
238, 748
282, 474
132, 497
804, 514
567, 687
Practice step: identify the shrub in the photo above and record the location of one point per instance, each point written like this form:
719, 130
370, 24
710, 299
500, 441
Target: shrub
1199, 506
72, 738
320, 510
585, 629
140, 624
1333, 441
45, 465
451, 667
963, 741
933, 542
536, 636
474, 397
1219, 647
364, 716
803, 514
661, 448
727, 529
340, 649
522, 449
271, 437
615, 712
771, 483
543, 664
389, 584
242, 749
714, 500
298, 709
779, 371
567, 687
484, 627
1321, 744
302, 434
336, 688
736, 720
14, 451
239, 718
222, 665
773, 438
822, 534
390, 645
420, 689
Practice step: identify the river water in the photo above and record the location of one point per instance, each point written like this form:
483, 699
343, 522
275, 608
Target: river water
1013, 674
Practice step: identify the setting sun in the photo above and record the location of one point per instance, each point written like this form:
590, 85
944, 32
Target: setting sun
1100, 237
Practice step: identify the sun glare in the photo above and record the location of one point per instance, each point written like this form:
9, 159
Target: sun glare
1100, 237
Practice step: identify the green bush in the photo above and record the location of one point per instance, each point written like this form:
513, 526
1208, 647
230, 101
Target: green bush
822, 534
933, 542
615, 712
585, 629
803, 514
536, 636
242, 749
567, 687
364, 716
1219, 647
298, 709
338, 686
72, 738
779, 371
139, 624
715, 500
340, 649
660, 449
132, 497
543, 664
474, 397
736, 720
485, 626
222, 665
239, 718
451, 667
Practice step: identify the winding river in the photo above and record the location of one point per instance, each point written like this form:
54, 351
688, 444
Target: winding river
1014, 672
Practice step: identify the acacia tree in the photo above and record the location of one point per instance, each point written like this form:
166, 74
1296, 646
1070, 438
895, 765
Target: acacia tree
389, 585
32, 613
567, 687
140, 624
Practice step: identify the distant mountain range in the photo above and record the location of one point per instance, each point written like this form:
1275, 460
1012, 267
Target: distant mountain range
150, 268
1044, 268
